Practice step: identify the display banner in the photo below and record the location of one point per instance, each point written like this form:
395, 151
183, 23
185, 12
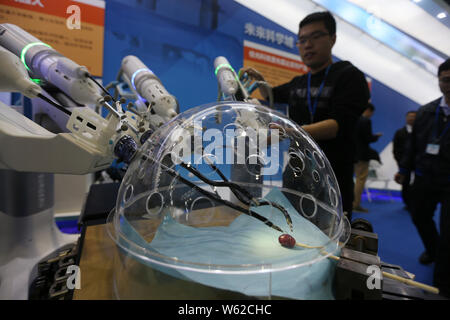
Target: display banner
73, 28
275, 65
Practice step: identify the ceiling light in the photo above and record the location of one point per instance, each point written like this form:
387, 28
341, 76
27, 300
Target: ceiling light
442, 15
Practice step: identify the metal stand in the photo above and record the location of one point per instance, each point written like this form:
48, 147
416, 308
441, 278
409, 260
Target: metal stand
28, 233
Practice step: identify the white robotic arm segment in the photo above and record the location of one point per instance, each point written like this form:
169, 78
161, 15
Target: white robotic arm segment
48, 64
29, 147
91, 146
116, 135
148, 86
226, 77
89, 126
14, 76
72, 79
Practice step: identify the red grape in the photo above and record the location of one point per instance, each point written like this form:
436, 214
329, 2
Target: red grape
287, 240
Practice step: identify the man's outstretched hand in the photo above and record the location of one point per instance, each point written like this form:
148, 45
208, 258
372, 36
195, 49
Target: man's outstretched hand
252, 73
399, 178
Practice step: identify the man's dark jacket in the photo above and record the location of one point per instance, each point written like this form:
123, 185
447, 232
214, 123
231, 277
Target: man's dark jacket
364, 137
399, 143
436, 167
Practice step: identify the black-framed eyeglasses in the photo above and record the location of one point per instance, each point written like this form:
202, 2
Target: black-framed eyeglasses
444, 79
314, 37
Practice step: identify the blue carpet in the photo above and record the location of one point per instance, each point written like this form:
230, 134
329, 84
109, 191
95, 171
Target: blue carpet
67, 225
399, 242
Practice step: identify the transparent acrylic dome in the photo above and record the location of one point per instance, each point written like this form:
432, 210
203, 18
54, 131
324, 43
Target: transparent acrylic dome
210, 192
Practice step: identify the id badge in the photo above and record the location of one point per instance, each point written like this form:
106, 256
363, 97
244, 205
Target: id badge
433, 149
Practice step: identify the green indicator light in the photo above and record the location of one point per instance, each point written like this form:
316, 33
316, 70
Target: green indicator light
223, 65
25, 49
38, 81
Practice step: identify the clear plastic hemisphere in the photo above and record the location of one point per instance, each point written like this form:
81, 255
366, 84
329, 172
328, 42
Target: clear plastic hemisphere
211, 191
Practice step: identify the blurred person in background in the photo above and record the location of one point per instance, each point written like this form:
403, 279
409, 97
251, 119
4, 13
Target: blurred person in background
364, 153
401, 137
428, 155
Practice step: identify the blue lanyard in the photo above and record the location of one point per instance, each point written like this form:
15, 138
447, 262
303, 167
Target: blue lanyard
436, 123
312, 108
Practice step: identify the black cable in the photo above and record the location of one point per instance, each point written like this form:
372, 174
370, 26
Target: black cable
222, 176
235, 188
238, 192
224, 202
248, 195
101, 87
61, 108
217, 198
204, 179
279, 207
225, 183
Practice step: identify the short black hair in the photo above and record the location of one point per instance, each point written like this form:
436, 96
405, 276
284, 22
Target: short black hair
444, 66
325, 16
411, 111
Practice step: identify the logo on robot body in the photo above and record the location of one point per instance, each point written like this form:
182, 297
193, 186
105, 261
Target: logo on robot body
74, 280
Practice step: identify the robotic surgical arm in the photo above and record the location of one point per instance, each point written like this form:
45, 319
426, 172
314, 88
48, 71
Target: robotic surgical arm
231, 88
46, 64
91, 145
237, 87
92, 141
152, 102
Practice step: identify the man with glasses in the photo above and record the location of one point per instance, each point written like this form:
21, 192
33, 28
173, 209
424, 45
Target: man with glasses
428, 154
327, 101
